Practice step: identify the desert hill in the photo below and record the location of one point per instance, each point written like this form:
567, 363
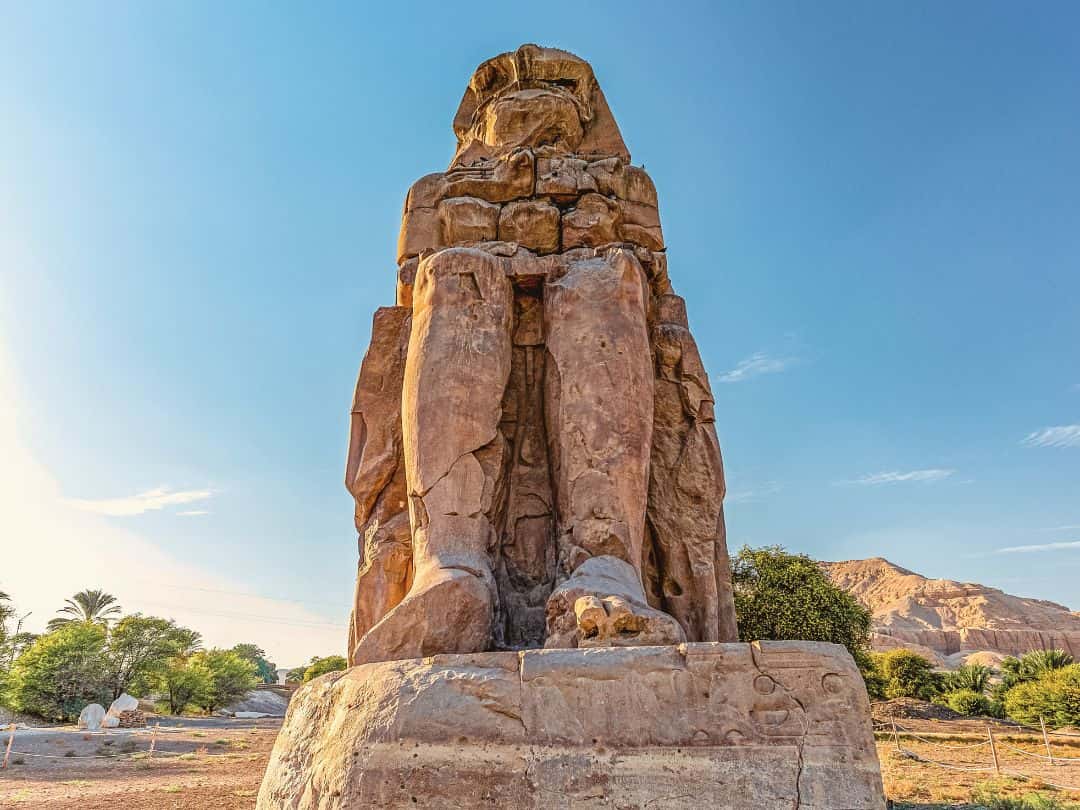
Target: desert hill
953, 622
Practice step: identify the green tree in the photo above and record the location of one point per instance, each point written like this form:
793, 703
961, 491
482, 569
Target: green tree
907, 675
788, 596
320, 666
296, 674
229, 677
138, 646
182, 683
87, 606
256, 655
60, 673
1054, 696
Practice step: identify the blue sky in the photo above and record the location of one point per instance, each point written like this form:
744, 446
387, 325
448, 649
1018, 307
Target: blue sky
872, 211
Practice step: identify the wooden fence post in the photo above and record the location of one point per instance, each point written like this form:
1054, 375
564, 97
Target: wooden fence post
7, 752
895, 736
153, 741
1046, 740
993, 750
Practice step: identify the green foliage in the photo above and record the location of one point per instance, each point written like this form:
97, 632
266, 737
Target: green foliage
1054, 696
1030, 667
60, 673
181, 684
970, 677
228, 676
87, 606
138, 647
967, 701
320, 666
296, 674
788, 596
267, 670
907, 675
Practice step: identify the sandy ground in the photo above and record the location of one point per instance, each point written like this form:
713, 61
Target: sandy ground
197, 763
217, 764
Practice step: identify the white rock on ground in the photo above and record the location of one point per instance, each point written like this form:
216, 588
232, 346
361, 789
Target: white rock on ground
92, 716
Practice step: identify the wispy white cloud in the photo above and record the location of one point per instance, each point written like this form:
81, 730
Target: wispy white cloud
194, 512
755, 365
140, 503
753, 494
1069, 528
900, 477
1059, 436
1039, 547
63, 550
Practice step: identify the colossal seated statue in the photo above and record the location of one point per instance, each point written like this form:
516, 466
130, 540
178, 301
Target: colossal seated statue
533, 454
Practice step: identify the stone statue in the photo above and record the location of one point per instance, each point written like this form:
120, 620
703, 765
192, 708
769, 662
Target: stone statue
543, 615
532, 453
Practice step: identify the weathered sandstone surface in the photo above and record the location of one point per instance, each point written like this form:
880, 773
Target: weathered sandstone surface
953, 622
755, 726
543, 593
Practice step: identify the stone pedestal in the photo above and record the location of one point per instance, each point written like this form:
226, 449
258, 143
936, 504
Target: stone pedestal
756, 726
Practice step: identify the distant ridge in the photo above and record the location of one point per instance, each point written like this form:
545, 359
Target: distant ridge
953, 622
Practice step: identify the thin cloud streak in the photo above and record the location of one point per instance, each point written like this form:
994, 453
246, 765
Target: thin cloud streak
898, 477
193, 512
1038, 547
149, 501
756, 365
743, 495
1058, 436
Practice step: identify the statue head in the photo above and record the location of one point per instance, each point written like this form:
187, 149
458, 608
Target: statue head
541, 98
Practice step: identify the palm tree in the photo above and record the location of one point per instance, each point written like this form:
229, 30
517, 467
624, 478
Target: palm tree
1038, 663
87, 606
187, 641
975, 677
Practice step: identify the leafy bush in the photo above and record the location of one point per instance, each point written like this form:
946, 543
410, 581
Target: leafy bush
971, 677
967, 701
1055, 696
907, 675
788, 596
60, 673
320, 666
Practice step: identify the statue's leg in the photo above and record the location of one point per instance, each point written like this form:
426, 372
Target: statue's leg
457, 368
599, 412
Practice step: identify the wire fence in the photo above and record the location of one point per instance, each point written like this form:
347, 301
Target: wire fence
995, 744
150, 752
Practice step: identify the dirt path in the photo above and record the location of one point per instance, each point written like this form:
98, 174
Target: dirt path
211, 765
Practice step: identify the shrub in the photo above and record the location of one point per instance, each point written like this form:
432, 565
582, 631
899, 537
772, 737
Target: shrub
907, 675
320, 666
788, 596
967, 701
60, 673
1055, 696
971, 677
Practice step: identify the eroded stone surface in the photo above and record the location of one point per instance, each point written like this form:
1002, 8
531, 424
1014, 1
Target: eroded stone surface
760, 727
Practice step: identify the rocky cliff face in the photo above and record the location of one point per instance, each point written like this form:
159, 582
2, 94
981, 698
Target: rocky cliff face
953, 622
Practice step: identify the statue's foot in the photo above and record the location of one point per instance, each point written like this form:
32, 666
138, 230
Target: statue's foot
603, 605
448, 610
612, 621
